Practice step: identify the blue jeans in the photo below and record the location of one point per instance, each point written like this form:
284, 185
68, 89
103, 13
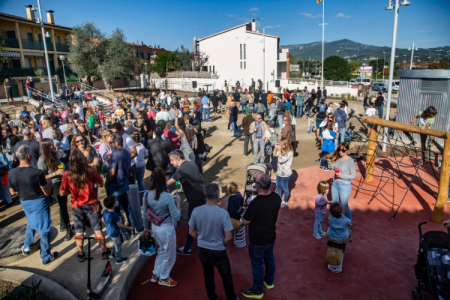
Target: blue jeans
324, 162
29, 93
123, 204
341, 137
340, 192
280, 120
318, 223
299, 111
190, 239
283, 185
206, 112
243, 107
45, 242
140, 178
258, 145
380, 111
274, 159
262, 258
235, 129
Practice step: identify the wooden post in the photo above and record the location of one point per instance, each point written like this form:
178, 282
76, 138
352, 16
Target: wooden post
442, 198
371, 152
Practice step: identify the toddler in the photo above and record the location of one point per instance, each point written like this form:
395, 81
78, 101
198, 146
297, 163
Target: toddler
113, 225
338, 232
321, 208
235, 201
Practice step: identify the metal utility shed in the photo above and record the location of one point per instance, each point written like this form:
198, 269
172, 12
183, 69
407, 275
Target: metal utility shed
420, 89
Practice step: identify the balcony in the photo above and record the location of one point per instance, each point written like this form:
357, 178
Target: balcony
26, 44
62, 47
22, 72
11, 43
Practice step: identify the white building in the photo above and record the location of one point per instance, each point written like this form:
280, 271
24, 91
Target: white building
237, 54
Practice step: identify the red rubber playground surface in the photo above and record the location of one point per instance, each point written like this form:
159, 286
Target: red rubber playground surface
378, 263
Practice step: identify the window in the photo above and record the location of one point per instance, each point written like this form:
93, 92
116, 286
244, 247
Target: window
58, 40
214, 69
244, 52
245, 65
30, 36
11, 34
148, 55
209, 68
241, 55
241, 64
205, 68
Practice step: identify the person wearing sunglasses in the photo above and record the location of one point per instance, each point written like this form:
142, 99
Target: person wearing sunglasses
345, 171
258, 129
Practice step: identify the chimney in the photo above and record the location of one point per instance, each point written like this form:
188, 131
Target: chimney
253, 25
30, 13
195, 48
50, 17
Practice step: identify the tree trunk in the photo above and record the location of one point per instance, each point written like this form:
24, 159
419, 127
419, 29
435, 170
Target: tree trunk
108, 85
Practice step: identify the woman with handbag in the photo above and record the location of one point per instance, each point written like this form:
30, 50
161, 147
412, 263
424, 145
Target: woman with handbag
50, 164
105, 147
285, 155
162, 213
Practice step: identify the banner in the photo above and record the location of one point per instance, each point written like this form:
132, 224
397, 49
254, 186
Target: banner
294, 68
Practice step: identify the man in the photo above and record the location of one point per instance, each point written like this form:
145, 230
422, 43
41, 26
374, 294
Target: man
18, 120
366, 102
78, 110
244, 99
237, 97
260, 109
258, 128
63, 92
63, 127
379, 104
32, 87
206, 109
163, 114
211, 226
253, 86
324, 93
169, 99
246, 122
117, 180
320, 111
8, 89
162, 97
200, 93
172, 112
128, 143
262, 215
158, 152
306, 90
256, 96
263, 98
193, 185
280, 111
341, 117
48, 128
84, 109
94, 102
142, 104
130, 129
299, 104
319, 94
233, 119
31, 186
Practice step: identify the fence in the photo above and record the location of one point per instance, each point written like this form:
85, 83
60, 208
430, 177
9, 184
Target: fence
192, 74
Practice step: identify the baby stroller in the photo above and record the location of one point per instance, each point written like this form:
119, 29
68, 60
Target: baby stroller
433, 265
253, 170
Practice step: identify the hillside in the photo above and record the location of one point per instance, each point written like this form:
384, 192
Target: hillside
360, 52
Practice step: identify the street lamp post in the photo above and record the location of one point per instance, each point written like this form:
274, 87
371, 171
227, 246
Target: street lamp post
377, 72
337, 53
41, 21
392, 64
404, 62
384, 63
412, 55
145, 74
62, 58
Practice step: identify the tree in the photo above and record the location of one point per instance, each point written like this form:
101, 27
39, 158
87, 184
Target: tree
291, 59
4, 60
354, 66
184, 58
336, 68
200, 60
87, 50
373, 64
166, 61
117, 61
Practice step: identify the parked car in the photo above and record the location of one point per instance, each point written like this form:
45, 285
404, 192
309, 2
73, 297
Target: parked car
364, 81
394, 85
377, 86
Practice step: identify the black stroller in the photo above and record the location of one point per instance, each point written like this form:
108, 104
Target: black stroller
253, 170
433, 265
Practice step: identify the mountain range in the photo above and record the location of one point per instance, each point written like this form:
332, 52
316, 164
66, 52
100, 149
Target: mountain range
362, 53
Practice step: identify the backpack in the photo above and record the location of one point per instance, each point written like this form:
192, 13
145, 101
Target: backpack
268, 149
322, 107
273, 137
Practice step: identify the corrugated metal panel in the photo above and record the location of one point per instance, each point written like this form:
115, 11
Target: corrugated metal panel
416, 95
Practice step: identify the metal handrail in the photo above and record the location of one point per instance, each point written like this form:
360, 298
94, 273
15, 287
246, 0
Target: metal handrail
92, 89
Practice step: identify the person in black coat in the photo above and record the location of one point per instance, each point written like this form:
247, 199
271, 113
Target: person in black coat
215, 102
223, 102
158, 152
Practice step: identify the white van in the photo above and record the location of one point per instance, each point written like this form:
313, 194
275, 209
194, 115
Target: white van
365, 81
394, 85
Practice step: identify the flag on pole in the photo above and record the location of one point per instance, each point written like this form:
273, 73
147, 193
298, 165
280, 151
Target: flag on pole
318, 1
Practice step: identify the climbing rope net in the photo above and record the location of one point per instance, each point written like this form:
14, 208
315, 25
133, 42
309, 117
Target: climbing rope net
407, 161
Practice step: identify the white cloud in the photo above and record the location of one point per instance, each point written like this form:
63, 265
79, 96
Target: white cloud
197, 26
254, 14
272, 27
254, 9
232, 16
310, 16
342, 16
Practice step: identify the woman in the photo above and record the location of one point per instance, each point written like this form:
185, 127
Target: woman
185, 106
269, 97
313, 95
172, 136
91, 117
105, 147
197, 113
251, 100
161, 203
285, 155
79, 181
148, 126
345, 171
80, 142
426, 118
139, 160
51, 166
186, 138
130, 118
198, 146
101, 115
215, 101
81, 128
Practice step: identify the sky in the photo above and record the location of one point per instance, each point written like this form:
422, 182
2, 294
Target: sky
172, 23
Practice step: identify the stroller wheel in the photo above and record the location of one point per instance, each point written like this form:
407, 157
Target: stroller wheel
418, 294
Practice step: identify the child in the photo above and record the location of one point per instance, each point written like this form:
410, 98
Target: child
338, 233
371, 111
327, 138
426, 118
112, 221
321, 208
235, 201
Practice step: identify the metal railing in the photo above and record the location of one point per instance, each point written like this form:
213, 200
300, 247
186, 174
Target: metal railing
93, 90
62, 47
191, 74
26, 44
20, 72
11, 43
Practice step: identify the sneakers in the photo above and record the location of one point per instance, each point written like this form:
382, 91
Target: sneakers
184, 251
121, 260
251, 294
111, 256
321, 168
69, 235
53, 256
229, 130
269, 287
154, 279
317, 161
327, 169
106, 254
283, 204
245, 155
81, 257
317, 236
323, 233
168, 282
26, 251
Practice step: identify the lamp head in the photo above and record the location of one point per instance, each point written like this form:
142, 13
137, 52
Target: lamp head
62, 57
389, 7
47, 35
404, 3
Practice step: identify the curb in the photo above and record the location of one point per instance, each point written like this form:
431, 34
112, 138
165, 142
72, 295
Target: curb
50, 288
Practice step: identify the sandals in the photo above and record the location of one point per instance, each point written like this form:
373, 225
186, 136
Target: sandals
81, 257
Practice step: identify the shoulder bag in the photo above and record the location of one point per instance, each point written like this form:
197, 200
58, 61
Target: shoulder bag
151, 217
